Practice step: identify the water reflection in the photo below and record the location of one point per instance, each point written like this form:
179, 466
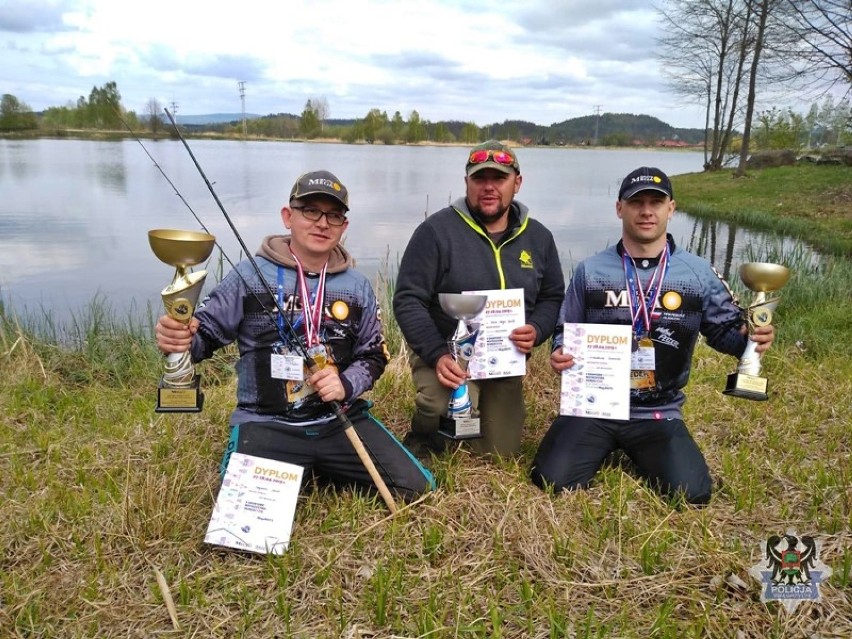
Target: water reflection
74, 215
703, 242
110, 168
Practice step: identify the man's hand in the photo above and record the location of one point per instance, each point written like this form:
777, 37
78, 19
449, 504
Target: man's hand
763, 336
174, 336
328, 385
449, 373
559, 361
523, 338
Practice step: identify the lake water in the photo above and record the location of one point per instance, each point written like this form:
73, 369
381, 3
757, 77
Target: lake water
74, 215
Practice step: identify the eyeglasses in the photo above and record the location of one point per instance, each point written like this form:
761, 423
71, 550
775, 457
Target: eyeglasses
312, 213
482, 155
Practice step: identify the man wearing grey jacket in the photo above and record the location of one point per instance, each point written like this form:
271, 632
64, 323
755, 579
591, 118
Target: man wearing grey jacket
484, 241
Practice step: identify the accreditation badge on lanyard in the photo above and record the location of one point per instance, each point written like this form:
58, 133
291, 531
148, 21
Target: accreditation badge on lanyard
642, 304
284, 363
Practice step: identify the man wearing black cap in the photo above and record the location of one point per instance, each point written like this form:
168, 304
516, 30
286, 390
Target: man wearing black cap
281, 410
669, 296
483, 241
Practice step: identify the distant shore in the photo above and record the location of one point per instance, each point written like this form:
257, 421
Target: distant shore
165, 134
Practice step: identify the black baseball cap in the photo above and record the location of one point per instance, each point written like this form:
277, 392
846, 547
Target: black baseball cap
320, 183
646, 178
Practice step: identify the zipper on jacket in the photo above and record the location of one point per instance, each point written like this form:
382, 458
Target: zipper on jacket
496, 249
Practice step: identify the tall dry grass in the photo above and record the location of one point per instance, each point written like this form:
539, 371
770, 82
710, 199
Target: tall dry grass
100, 495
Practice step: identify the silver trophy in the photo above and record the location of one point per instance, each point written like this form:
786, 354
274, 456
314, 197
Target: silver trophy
762, 278
461, 421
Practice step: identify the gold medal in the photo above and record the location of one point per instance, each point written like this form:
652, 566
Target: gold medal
642, 380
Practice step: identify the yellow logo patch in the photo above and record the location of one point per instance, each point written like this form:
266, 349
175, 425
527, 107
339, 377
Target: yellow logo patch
340, 310
526, 259
672, 301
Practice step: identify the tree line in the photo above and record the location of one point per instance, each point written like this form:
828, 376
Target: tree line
825, 123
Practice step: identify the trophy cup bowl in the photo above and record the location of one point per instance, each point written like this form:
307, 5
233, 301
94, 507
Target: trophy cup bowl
761, 278
179, 389
764, 277
181, 248
461, 306
460, 422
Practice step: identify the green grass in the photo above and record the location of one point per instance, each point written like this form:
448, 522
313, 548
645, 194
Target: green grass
809, 202
98, 493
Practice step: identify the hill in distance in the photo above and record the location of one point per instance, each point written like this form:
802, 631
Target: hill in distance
214, 118
624, 127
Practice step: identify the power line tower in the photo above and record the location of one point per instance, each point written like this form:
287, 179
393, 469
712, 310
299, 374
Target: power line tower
174, 106
243, 100
597, 122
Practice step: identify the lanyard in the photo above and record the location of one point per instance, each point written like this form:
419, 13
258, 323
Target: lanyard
311, 310
642, 303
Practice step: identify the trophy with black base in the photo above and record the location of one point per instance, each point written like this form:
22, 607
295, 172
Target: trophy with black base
180, 388
762, 278
461, 421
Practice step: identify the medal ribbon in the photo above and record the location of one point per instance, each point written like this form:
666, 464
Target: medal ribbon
281, 298
311, 311
642, 303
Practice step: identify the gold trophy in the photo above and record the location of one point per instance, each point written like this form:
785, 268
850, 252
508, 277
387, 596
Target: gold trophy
762, 278
180, 389
461, 421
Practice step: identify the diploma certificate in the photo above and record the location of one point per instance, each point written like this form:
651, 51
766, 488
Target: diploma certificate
256, 505
598, 384
494, 354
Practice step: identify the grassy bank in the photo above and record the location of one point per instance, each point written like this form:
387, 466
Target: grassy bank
98, 495
810, 202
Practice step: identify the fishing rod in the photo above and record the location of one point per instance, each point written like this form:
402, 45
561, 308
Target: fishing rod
309, 361
222, 252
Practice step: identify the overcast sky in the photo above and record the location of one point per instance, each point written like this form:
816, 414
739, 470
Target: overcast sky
543, 61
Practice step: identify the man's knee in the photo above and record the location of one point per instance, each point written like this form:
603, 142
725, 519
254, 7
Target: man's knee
698, 495
552, 482
693, 493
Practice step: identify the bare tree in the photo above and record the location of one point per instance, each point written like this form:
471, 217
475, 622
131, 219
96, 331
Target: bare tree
320, 107
704, 50
155, 120
823, 31
761, 10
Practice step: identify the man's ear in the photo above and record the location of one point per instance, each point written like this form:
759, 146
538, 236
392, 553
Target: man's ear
286, 216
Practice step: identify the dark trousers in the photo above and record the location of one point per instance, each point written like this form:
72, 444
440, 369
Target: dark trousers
324, 451
663, 451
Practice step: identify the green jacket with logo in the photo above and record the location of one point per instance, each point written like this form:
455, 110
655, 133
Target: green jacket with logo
450, 252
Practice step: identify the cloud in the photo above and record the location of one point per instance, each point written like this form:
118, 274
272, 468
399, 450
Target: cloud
468, 60
235, 67
33, 16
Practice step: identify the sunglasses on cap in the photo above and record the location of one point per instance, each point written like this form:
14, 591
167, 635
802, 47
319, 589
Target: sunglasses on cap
482, 155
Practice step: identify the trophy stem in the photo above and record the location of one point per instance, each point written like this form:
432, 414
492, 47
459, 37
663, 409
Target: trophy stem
179, 371
187, 284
